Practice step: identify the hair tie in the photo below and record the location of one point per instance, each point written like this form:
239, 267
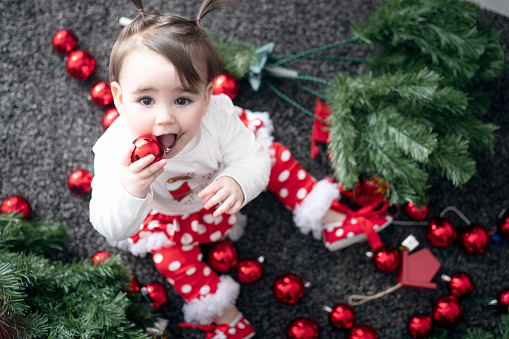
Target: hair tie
140, 10
197, 19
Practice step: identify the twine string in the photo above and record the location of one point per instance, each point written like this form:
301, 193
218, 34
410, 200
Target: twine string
356, 299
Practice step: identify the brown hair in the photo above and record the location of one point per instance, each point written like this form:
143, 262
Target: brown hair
181, 40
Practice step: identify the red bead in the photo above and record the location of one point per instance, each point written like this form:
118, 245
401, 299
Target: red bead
249, 271
475, 239
145, 145
441, 232
226, 84
460, 285
447, 311
80, 182
342, 316
80, 64
101, 94
157, 293
288, 289
386, 259
17, 204
419, 326
222, 256
503, 300
64, 41
362, 332
109, 117
503, 225
99, 257
414, 212
302, 328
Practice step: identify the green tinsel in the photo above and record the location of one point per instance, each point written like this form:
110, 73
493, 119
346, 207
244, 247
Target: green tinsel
40, 298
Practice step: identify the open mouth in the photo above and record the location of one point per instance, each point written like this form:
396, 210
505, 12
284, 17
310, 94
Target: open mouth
167, 140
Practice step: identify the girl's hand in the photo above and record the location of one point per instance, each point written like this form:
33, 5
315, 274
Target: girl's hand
224, 191
136, 177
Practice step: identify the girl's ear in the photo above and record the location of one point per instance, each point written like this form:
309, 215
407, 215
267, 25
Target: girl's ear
116, 90
208, 95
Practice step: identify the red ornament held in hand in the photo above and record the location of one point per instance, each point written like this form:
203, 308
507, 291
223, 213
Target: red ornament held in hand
249, 271
419, 326
414, 212
226, 84
302, 328
109, 117
157, 293
80, 182
145, 145
475, 239
222, 256
64, 41
341, 316
459, 285
99, 257
288, 289
17, 204
362, 332
441, 232
101, 94
80, 64
503, 225
447, 311
386, 259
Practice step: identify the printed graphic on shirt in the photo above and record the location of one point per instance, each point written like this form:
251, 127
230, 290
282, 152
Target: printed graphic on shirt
178, 186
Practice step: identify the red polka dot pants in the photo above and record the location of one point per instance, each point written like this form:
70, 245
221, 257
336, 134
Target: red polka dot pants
288, 180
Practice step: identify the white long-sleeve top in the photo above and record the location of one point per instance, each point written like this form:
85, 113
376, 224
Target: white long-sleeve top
222, 147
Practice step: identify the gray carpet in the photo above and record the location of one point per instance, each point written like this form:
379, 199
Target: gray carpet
48, 126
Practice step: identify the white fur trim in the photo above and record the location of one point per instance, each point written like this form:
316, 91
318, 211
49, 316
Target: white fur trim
264, 134
308, 214
147, 244
205, 309
238, 229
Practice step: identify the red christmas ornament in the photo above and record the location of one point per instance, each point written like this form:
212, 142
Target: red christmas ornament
18, 204
475, 239
101, 94
157, 294
133, 287
145, 145
302, 328
414, 212
386, 259
441, 232
362, 332
288, 289
80, 182
226, 84
447, 311
99, 257
222, 256
503, 225
342, 316
249, 271
503, 300
460, 284
419, 326
109, 117
64, 41
80, 64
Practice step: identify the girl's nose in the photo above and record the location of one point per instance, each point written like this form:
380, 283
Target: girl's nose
165, 117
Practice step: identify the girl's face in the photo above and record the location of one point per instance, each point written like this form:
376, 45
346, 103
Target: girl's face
150, 96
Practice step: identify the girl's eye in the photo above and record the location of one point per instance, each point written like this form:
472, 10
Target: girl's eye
146, 101
182, 101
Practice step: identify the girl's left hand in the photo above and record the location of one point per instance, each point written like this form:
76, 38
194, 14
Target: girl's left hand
224, 191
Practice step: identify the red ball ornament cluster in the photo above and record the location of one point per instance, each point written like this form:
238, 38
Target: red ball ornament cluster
101, 94
475, 239
441, 232
156, 293
415, 212
222, 256
288, 289
503, 300
80, 64
342, 316
17, 204
64, 41
459, 284
419, 326
80, 182
302, 328
386, 259
249, 270
362, 332
447, 311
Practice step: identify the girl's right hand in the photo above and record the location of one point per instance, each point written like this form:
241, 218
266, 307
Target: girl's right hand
136, 177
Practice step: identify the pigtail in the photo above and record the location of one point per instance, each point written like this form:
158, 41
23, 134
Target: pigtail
138, 4
208, 6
